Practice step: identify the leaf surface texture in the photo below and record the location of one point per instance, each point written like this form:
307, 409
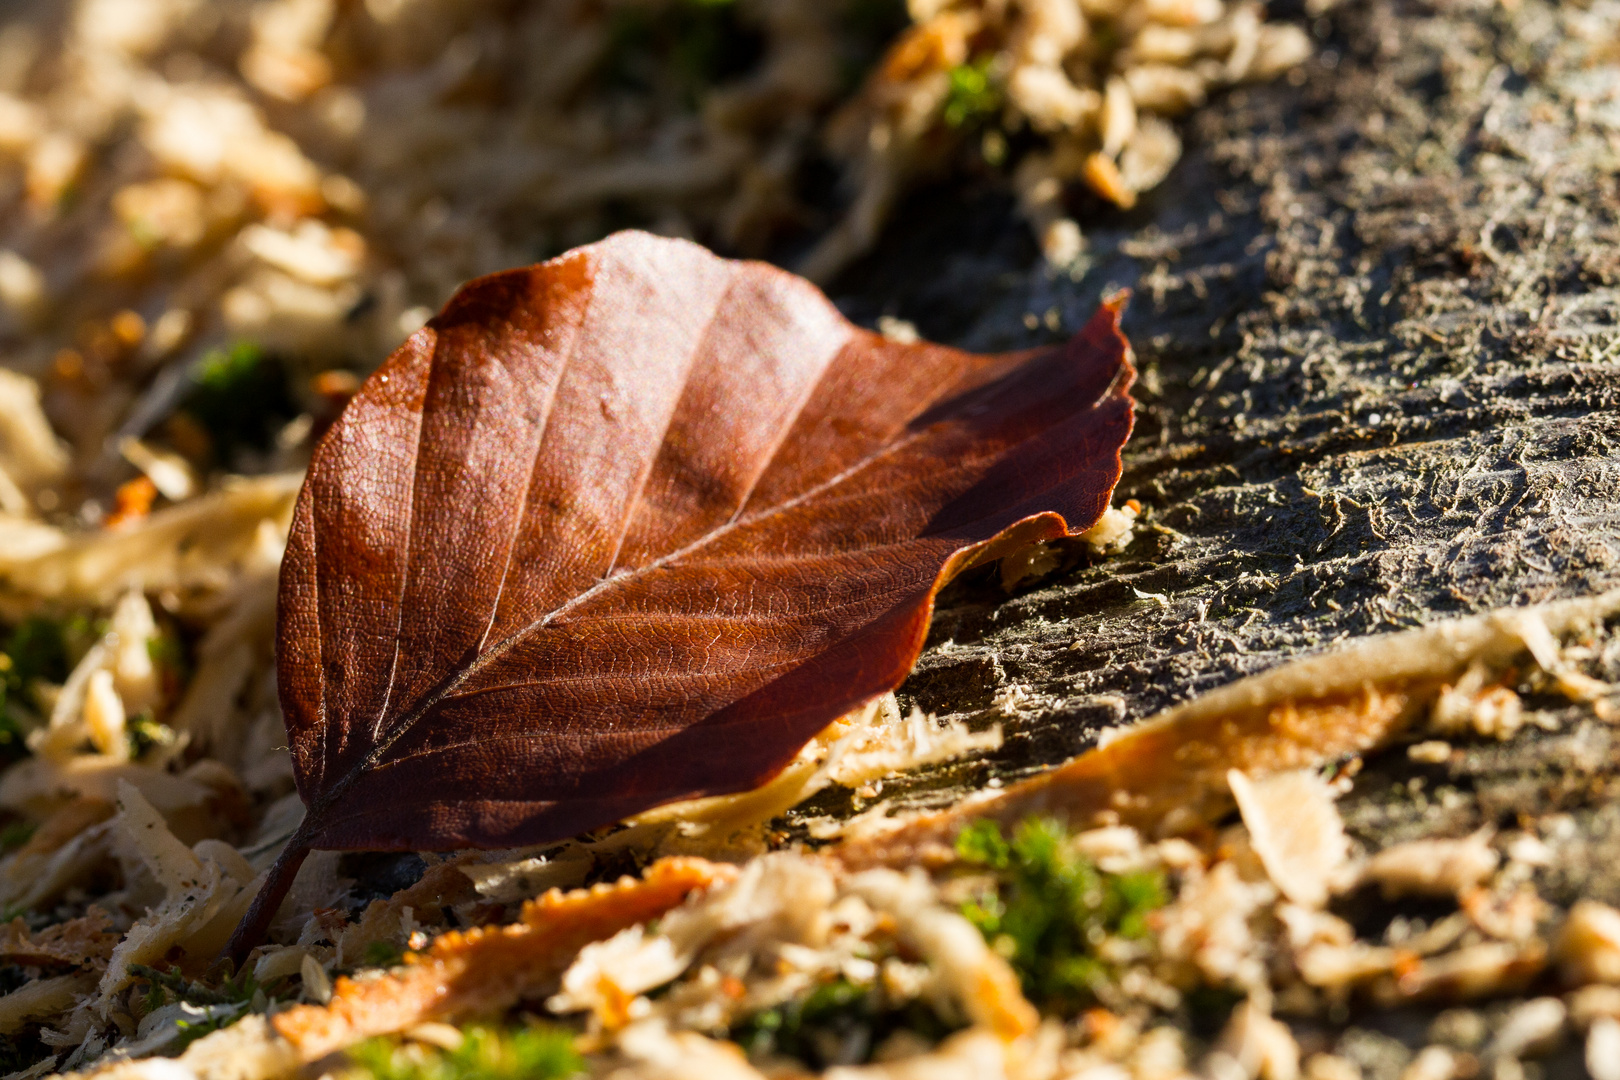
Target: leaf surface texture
633, 525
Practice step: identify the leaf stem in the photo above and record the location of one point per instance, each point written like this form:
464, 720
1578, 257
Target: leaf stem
251, 930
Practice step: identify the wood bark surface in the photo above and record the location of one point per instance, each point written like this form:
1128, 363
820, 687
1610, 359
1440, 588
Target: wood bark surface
1377, 318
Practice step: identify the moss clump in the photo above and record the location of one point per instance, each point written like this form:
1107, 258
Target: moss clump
532, 1053
838, 1023
1050, 908
240, 398
38, 648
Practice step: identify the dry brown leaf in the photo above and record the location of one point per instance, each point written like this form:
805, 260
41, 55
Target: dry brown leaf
690, 478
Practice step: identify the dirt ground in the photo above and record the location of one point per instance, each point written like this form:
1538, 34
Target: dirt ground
1376, 316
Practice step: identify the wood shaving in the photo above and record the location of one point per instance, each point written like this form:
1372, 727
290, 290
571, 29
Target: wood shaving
42, 999
85, 942
1170, 772
488, 969
1432, 867
1588, 946
1296, 831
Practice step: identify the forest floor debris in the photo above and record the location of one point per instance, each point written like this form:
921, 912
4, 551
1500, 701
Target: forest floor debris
1493, 951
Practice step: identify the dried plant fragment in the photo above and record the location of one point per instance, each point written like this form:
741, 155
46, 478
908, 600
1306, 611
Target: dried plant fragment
690, 477
488, 969
1092, 82
195, 545
43, 998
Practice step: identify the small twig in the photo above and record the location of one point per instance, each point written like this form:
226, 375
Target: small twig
256, 923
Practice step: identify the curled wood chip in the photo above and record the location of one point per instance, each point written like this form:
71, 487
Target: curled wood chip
195, 544
1589, 944
247, 1050
81, 942
61, 850
1531, 1029
1295, 829
1175, 765
974, 1054
1467, 974
985, 983
66, 823
1170, 771
488, 969
1260, 1044
778, 897
43, 998
657, 1053
1442, 867
206, 889
201, 802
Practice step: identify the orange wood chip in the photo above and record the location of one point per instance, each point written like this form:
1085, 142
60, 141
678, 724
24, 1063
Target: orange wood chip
1175, 766
81, 942
491, 968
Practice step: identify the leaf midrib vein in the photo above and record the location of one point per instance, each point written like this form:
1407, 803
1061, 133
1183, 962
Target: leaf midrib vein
447, 686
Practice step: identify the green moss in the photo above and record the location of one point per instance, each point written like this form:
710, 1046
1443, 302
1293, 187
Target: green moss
239, 395
166, 987
145, 732
37, 648
382, 954
974, 95
16, 834
1051, 908
837, 1023
533, 1053
684, 48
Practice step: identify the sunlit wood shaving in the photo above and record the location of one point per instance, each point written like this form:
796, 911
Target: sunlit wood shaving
1469, 973
1170, 771
1295, 829
1432, 867
983, 982
656, 1053
1258, 1043
30, 454
488, 969
1588, 945
197, 544
777, 897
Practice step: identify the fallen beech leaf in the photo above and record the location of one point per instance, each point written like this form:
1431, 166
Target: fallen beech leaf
631, 526
488, 969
